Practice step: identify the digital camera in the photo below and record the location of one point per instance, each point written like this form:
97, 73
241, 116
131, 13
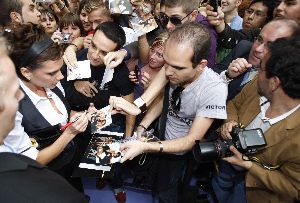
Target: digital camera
248, 142
66, 38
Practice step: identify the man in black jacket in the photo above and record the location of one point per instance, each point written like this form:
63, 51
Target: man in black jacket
239, 67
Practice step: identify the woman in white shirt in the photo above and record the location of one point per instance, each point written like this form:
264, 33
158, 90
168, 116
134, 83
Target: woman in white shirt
38, 131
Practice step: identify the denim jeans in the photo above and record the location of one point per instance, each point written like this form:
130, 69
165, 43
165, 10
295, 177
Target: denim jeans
229, 185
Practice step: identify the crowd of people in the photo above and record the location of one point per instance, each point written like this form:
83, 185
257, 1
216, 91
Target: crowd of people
199, 74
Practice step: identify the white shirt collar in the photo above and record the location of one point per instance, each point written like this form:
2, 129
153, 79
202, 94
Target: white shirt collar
264, 105
33, 96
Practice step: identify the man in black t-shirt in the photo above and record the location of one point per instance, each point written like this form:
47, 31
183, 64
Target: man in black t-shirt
80, 93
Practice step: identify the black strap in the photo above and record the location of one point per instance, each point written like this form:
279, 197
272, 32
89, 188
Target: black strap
163, 116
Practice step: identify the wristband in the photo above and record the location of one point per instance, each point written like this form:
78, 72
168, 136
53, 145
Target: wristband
140, 125
227, 75
75, 46
161, 147
141, 104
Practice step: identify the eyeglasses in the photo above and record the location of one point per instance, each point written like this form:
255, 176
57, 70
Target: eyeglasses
164, 19
250, 11
175, 99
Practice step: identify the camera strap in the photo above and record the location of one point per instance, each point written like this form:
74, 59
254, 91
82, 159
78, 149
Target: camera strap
35, 50
163, 116
265, 166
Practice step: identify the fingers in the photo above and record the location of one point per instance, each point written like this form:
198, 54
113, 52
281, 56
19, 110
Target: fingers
84, 88
145, 79
56, 37
133, 78
70, 58
113, 59
227, 128
87, 41
238, 67
93, 88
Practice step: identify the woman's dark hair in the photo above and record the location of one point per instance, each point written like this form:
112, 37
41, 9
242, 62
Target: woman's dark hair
49, 13
22, 38
284, 63
81, 5
71, 19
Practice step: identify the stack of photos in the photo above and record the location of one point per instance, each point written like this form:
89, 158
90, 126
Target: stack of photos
102, 152
120, 7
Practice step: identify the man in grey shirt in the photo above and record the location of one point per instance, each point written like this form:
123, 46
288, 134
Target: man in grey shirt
197, 97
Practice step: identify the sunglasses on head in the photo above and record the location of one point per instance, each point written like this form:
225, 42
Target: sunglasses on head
164, 19
175, 99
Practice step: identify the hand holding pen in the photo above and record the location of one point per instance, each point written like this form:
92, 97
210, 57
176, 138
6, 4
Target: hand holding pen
77, 123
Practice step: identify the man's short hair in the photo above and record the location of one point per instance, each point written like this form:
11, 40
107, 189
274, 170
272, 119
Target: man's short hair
197, 35
284, 63
92, 5
113, 32
187, 5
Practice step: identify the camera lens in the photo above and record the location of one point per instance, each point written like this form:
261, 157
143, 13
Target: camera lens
211, 151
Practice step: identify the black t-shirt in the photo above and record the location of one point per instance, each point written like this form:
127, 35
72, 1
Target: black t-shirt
24, 180
120, 85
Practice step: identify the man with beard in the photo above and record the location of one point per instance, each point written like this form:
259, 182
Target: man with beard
270, 102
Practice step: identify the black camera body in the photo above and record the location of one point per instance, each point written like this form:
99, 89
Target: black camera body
248, 142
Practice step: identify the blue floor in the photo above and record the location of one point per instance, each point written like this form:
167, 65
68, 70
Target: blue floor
106, 195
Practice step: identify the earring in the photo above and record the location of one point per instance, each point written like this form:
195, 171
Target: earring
28, 78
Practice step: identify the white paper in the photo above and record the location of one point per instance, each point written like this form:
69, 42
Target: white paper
107, 77
82, 71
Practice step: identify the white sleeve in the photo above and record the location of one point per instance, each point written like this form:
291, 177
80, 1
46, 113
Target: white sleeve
212, 102
17, 141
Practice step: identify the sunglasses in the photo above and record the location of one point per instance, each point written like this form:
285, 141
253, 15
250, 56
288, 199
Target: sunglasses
164, 19
175, 99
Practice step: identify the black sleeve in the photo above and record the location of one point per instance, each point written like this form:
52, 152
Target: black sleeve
230, 37
122, 81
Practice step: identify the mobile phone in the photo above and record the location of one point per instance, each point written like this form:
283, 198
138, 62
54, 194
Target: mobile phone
214, 4
136, 71
66, 38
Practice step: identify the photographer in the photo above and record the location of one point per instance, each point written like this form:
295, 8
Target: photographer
270, 102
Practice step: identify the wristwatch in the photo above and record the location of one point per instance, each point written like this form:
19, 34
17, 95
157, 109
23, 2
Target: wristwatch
141, 104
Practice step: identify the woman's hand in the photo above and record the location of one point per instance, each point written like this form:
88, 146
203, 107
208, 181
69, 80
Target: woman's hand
79, 125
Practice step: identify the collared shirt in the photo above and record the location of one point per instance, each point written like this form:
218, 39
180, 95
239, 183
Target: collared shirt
18, 140
263, 122
236, 23
45, 107
249, 75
